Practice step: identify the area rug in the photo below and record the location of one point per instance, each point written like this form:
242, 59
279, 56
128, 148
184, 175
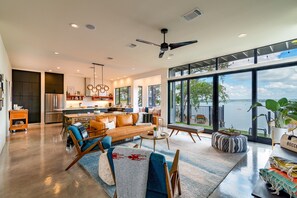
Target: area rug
202, 168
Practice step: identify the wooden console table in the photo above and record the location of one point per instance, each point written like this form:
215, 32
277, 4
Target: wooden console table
18, 115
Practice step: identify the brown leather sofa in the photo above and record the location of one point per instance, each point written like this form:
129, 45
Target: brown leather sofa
125, 125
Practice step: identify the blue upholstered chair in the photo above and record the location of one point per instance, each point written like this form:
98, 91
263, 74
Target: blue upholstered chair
85, 144
163, 176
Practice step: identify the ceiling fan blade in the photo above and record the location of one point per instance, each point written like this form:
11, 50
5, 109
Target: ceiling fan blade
161, 54
147, 42
181, 44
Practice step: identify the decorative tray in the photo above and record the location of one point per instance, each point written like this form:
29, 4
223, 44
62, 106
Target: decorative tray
235, 133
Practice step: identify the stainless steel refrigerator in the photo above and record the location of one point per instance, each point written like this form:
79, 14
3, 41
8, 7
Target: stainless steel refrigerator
54, 103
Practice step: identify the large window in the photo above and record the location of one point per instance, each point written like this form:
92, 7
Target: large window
139, 93
274, 84
178, 102
217, 100
201, 93
123, 96
235, 91
154, 95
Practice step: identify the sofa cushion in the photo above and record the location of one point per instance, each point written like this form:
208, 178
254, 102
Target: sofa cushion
97, 125
103, 119
112, 118
110, 125
135, 117
124, 120
140, 117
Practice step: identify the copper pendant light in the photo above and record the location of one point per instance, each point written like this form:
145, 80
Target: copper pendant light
99, 87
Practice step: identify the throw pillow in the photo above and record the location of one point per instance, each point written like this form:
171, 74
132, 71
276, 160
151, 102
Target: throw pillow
140, 117
110, 125
82, 130
135, 117
147, 118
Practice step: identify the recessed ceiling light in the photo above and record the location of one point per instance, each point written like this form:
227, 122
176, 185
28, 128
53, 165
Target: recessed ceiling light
109, 58
58, 67
77, 70
56, 53
242, 35
50, 70
90, 27
74, 25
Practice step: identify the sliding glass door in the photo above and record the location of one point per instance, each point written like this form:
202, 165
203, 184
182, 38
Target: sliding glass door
274, 84
235, 98
201, 93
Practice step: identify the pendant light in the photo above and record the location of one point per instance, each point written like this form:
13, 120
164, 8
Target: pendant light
90, 86
99, 87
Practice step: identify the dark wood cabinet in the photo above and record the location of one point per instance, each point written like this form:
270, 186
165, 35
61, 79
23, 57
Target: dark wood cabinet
26, 92
54, 83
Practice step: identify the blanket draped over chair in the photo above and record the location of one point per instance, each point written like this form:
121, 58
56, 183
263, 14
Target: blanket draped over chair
131, 168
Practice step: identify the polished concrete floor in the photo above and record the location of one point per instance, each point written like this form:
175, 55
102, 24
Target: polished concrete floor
32, 165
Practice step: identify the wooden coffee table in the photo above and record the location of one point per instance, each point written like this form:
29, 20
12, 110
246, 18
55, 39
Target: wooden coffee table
151, 137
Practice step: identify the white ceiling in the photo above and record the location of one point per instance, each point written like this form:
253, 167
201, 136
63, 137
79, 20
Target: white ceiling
33, 29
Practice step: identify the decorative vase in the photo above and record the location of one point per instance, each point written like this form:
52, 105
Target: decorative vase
155, 133
277, 134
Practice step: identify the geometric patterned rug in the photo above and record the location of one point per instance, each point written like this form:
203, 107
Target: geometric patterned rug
202, 168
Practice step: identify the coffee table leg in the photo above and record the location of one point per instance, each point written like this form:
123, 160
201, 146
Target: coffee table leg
140, 142
167, 143
154, 145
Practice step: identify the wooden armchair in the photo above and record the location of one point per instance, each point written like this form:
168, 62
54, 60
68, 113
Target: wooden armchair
85, 144
163, 176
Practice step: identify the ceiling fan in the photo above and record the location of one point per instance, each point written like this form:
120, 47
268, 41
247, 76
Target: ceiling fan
165, 46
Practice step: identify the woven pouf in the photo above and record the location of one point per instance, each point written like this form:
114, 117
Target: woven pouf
231, 144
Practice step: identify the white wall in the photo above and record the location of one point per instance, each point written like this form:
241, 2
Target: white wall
144, 82
160, 74
5, 68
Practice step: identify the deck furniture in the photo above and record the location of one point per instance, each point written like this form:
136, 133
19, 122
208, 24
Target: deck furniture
186, 128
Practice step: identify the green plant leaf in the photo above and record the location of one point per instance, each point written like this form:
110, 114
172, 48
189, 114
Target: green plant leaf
272, 105
293, 115
283, 102
257, 104
287, 121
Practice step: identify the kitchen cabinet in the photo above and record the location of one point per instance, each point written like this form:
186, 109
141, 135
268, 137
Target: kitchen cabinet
54, 83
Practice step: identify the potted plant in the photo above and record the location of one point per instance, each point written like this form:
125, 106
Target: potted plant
230, 131
284, 110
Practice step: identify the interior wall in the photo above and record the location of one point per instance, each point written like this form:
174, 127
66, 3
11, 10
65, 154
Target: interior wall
163, 73
5, 68
144, 82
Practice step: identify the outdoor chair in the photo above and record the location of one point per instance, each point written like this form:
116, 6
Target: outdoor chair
85, 144
163, 176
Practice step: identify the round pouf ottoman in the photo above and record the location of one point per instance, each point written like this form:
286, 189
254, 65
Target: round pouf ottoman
227, 143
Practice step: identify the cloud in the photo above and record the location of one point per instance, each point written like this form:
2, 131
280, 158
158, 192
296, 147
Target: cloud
238, 91
280, 85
